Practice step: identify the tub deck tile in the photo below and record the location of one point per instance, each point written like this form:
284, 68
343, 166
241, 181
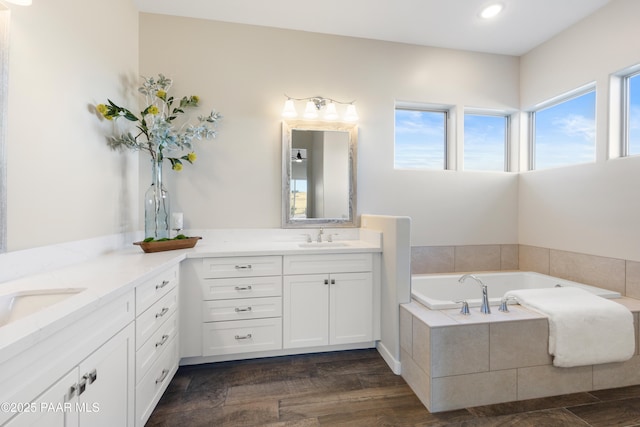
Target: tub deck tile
433, 318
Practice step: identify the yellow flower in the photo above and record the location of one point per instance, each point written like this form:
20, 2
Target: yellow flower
195, 99
161, 94
192, 157
102, 109
177, 167
153, 110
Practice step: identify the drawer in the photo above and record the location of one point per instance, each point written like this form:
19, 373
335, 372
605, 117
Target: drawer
242, 266
149, 321
149, 292
152, 385
327, 263
245, 287
240, 309
241, 336
153, 348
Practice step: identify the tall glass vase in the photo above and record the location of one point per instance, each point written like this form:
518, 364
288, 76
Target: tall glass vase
157, 212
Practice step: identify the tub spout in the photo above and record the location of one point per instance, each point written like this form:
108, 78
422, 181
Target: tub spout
485, 297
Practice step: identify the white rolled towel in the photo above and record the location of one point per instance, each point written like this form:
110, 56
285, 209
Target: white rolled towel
584, 329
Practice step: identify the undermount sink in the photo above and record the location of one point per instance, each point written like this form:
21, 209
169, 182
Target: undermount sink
17, 305
323, 244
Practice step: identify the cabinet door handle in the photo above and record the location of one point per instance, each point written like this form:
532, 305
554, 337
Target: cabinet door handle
333, 281
82, 385
326, 281
238, 309
243, 337
162, 285
162, 341
163, 312
72, 392
243, 288
162, 376
243, 267
92, 376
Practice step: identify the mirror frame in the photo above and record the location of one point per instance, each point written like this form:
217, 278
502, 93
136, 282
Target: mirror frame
287, 132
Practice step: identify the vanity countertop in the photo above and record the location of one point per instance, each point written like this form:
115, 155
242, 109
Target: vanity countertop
109, 276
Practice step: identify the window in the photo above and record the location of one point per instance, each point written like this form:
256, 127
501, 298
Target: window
485, 142
420, 139
632, 114
563, 133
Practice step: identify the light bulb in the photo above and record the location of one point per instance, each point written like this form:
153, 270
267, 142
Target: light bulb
289, 110
491, 11
310, 112
331, 113
351, 115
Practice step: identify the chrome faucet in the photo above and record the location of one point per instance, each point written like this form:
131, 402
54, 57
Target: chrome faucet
485, 298
320, 233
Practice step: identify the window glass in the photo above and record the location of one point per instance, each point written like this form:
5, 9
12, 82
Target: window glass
485, 138
420, 139
564, 133
633, 115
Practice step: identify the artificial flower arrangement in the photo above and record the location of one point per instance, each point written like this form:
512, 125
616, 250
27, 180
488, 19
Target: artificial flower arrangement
157, 131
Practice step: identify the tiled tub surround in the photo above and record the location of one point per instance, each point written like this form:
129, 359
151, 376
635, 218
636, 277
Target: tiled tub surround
609, 273
453, 361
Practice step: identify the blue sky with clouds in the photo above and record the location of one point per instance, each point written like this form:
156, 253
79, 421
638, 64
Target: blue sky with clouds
484, 142
419, 139
565, 134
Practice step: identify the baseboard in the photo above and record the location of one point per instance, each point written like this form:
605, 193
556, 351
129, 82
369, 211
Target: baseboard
393, 363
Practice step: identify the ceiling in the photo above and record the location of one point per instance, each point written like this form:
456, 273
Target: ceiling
523, 24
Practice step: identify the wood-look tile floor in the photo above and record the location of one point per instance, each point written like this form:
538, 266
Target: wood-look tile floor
356, 388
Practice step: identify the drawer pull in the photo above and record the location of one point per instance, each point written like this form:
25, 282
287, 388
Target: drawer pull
162, 285
243, 337
163, 312
243, 288
162, 341
238, 309
243, 267
162, 376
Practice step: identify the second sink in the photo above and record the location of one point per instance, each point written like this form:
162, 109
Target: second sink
17, 305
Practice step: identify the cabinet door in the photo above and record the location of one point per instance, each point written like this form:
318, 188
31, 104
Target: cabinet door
305, 313
56, 407
108, 397
351, 302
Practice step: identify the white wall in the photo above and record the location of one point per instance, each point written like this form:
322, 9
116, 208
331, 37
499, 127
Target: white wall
244, 71
592, 208
63, 183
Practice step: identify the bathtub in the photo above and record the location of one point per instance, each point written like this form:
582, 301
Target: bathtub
439, 292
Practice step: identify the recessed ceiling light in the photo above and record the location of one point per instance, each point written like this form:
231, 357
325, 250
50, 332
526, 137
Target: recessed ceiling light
491, 10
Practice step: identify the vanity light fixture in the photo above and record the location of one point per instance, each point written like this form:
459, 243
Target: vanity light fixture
491, 11
315, 104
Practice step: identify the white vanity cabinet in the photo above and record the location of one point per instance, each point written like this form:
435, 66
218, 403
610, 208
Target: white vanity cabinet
241, 304
156, 340
79, 376
327, 300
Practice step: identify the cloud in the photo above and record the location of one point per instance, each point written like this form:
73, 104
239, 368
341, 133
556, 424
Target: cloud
575, 125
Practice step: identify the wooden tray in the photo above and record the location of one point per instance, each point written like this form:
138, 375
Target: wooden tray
168, 245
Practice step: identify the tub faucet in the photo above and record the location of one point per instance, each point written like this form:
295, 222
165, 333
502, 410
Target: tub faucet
485, 298
320, 233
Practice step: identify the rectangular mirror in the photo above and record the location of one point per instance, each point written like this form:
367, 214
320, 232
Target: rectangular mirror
318, 174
